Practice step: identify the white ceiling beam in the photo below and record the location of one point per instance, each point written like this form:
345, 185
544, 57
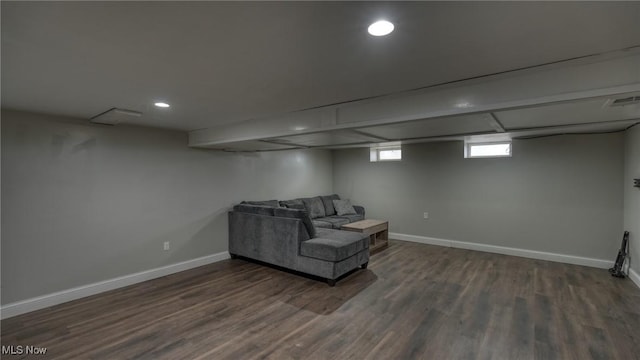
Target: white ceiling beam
496, 124
607, 126
595, 76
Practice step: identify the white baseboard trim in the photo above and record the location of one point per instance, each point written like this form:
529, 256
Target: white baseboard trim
532, 254
41, 302
635, 277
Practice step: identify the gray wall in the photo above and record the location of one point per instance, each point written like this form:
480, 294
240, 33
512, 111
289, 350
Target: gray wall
83, 203
632, 194
558, 194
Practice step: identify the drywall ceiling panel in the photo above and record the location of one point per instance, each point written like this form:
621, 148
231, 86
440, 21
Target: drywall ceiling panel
590, 111
251, 145
466, 124
338, 137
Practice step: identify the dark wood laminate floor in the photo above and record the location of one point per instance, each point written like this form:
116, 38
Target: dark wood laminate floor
414, 301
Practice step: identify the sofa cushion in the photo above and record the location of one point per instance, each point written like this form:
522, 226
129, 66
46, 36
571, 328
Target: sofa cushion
254, 209
293, 204
334, 245
322, 224
327, 201
344, 207
297, 207
336, 222
351, 218
314, 206
297, 214
272, 203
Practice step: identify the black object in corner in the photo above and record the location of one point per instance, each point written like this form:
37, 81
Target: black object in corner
636, 183
616, 270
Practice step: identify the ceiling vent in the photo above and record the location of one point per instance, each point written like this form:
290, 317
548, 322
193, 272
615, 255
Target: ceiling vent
114, 116
623, 101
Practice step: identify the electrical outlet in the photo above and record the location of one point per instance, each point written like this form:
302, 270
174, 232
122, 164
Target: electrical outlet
166, 245
426, 215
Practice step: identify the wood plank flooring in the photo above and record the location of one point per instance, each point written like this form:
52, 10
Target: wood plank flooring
413, 302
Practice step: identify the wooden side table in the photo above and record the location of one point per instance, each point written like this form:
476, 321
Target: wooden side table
377, 230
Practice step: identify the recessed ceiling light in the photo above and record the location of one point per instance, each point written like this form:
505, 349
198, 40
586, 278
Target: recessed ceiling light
162, 104
380, 28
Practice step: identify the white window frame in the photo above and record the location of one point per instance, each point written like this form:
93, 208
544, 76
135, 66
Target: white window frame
374, 155
469, 145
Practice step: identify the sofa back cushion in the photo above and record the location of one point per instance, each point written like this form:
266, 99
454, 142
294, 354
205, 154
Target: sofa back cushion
293, 204
254, 209
298, 214
297, 207
272, 203
314, 206
327, 201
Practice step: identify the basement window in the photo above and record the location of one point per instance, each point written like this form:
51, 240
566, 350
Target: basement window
487, 149
386, 154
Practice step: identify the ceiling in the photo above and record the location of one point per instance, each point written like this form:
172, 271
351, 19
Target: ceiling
219, 63
223, 62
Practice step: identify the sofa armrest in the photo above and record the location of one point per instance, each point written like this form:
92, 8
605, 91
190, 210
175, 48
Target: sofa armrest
359, 209
271, 239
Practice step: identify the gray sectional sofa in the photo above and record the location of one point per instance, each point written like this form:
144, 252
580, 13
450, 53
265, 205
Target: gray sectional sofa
300, 234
